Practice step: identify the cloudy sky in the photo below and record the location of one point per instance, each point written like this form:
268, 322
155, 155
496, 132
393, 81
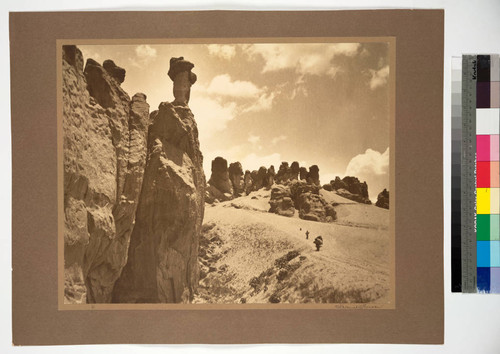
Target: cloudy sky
261, 104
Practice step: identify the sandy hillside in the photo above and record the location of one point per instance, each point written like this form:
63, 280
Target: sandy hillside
250, 255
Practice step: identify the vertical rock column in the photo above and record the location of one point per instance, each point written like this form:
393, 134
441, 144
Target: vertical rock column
162, 259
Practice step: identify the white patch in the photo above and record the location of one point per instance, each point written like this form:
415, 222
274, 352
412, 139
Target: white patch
253, 139
223, 85
371, 162
310, 58
379, 77
277, 139
223, 51
211, 116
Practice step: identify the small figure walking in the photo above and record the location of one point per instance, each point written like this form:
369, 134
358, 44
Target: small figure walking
307, 234
318, 241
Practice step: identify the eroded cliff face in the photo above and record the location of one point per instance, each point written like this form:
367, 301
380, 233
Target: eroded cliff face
104, 149
162, 261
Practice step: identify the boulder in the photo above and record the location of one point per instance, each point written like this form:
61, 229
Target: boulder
115, 71
383, 199
281, 201
351, 188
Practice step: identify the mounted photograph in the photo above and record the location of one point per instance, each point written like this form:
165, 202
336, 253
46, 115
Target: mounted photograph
234, 173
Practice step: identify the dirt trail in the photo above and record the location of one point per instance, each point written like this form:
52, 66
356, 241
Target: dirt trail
352, 265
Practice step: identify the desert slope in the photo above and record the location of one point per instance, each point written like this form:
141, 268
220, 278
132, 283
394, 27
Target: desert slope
252, 256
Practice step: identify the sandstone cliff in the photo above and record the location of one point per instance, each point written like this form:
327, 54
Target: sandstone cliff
162, 261
104, 155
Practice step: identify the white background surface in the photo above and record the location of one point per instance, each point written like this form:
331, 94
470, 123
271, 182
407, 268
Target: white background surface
472, 322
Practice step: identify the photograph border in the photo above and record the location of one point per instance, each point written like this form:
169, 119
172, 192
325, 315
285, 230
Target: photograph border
419, 313
391, 82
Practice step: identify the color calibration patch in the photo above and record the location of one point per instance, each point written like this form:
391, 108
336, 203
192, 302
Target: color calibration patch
476, 174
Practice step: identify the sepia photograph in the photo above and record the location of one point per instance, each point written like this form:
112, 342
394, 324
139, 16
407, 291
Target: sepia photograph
236, 172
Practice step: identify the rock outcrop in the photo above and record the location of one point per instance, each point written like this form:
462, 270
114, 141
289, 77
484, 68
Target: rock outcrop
313, 175
219, 186
281, 201
383, 199
270, 176
351, 188
104, 153
310, 204
236, 177
180, 73
303, 173
162, 259
248, 182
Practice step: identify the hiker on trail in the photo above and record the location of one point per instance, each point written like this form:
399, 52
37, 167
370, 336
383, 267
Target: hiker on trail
307, 234
318, 241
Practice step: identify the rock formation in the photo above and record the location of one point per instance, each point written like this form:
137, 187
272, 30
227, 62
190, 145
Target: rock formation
383, 199
310, 204
116, 72
313, 175
236, 177
219, 186
303, 173
248, 182
104, 153
294, 171
281, 201
162, 259
270, 176
351, 188
183, 78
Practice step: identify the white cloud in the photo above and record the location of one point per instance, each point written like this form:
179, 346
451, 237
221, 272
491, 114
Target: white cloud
253, 139
144, 54
372, 167
371, 162
306, 58
211, 115
254, 162
223, 85
89, 55
277, 139
379, 77
223, 51
263, 103
145, 51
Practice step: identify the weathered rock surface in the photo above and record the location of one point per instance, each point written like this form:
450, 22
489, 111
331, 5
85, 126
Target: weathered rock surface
271, 174
310, 204
236, 177
303, 173
104, 134
383, 199
219, 186
162, 259
248, 182
115, 71
351, 188
281, 201
313, 175
180, 73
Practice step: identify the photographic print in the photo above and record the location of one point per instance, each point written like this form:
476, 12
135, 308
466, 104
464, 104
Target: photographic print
226, 173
